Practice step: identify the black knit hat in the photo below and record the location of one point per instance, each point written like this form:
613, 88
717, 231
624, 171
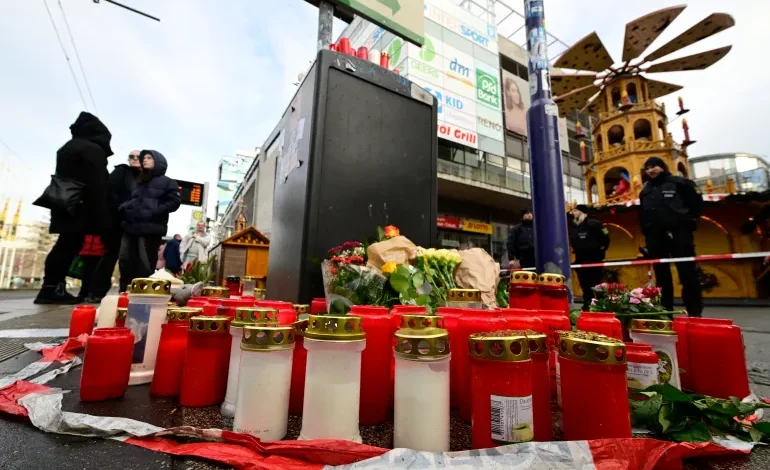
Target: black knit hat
655, 161
582, 208
526, 211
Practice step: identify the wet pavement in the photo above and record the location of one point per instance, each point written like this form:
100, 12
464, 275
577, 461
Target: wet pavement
24, 447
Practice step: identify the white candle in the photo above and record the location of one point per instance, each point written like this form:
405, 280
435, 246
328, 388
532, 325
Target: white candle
421, 414
147, 305
108, 311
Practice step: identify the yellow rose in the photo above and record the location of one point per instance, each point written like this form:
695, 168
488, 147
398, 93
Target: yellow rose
389, 267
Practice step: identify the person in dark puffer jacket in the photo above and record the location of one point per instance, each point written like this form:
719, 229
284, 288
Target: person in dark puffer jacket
145, 217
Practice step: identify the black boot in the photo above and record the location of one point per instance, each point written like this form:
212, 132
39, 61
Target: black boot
55, 295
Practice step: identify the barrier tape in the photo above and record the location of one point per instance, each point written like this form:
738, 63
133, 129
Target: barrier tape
758, 254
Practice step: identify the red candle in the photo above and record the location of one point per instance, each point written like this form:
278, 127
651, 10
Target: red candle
318, 305
106, 364
642, 364
298, 367
120, 318
210, 309
717, 360
501, 377
384, 60
602, 323
123, 300
451, 316
555, 321
82, 320
182, 314
172, 348
376, 388
553, 292
234, 284
363, 53
682, 350
478, 322
286, 313
594, 393
343, 45
523, 291
227, 309
206, 364
520, 319
541, 386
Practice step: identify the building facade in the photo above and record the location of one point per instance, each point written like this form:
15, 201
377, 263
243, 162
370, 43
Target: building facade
480, 82
748, 172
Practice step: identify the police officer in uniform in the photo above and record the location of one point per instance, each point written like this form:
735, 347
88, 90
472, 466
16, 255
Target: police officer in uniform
589, 240
521, 242
670, 208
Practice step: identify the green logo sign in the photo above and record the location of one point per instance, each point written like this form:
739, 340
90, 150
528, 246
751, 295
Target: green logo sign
392, 4
487, 89
428, 51
394, 51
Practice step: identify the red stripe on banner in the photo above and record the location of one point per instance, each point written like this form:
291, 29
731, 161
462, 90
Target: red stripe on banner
650, 454
65, 351
10, 395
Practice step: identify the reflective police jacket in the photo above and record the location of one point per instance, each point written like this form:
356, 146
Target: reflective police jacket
669, 203
589, 241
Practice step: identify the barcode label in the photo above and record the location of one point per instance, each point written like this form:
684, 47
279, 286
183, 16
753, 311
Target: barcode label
511, 419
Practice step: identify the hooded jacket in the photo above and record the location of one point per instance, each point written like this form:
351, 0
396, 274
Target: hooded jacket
146, 211
84, 159
122, 184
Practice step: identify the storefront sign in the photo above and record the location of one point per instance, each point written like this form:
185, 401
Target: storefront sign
489, 123
487, 89
477, 227
457, 134
401, 17
462, 22
451, 223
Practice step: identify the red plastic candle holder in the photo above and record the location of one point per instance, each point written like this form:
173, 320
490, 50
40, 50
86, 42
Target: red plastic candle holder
600, 322
523, 291
363, 53
207, 362
541, 387
555, 321
642, 363
477, 322
717, 360
376, 388
286, 313
501, 378
343, 46
172, 348
82, 320
520, 319
384, 60
234, 284
123, 300
553, 293
298, 368
227, 309
593, 392
682, 350
451, 316
106, 364
318, 305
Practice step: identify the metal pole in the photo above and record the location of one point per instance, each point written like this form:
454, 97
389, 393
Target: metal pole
551, 239
3, 260
325, 23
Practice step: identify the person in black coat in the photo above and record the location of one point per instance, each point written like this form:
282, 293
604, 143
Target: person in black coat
172, 255
670, 207
521, 242
589, 240
83, 159
145, 217
122, 184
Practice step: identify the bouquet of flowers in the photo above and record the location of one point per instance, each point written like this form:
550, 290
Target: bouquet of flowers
617, 298
347, 281
438, 267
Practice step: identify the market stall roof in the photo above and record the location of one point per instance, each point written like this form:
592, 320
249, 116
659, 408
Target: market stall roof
710, 199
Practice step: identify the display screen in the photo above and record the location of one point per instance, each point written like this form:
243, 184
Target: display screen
192, 193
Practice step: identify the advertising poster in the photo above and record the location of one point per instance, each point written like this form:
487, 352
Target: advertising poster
515, 102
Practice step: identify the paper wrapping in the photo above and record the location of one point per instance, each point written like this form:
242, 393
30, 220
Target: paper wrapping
479, 270
399, 249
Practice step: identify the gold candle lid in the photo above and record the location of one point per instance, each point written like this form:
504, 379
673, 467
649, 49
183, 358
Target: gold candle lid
656, 327
259, 292
300, 326
334, 328
504, 345
422, 344
122, 313
464, 295
182, 314
214, 324
150, 286
250, 278
538, 342
594, 348
303, 311
267, 338
216, 291
550, 279
418, 322
523, 277
246, 316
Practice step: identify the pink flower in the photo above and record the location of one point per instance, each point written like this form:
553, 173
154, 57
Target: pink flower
638, 293
634, 300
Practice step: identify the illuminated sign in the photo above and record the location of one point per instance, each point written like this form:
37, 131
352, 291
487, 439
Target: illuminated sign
192, 193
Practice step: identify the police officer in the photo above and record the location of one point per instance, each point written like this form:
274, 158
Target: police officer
521, 242
589, 240
670, 208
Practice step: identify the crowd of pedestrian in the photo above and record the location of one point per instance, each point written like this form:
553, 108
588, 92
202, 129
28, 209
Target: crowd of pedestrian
670, 207
108, 218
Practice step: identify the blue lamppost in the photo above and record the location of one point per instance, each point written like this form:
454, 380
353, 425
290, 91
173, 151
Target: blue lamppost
551, 238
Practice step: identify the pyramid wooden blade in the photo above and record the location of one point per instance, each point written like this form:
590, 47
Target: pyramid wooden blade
657, 89
709, 26
575, 99
700, 61
592, 107
563, 82
587, 54
641, 32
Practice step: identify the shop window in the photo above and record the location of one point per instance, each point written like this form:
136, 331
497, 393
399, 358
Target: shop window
514, 147
642, 130
494, 160
515, 180
616, 136
513, 164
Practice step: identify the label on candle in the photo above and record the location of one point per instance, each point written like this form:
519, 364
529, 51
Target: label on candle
138, 321
512, 419
641, 375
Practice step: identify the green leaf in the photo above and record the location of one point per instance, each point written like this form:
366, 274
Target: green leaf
763, 427
418, 280
399, 282
647, 412
403, 270
756, 435
693, 432
380, 233
663, 417
422, 300
670, 393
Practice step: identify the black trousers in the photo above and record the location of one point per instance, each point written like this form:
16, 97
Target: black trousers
678, 244
101, 281
589, 278
89, 268
138, 256
59, 259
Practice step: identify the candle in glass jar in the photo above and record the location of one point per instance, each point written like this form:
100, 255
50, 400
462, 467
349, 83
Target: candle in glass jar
553, 292
234, 284
106, 364
147, 305
206, 364
523, 291
421, 405
464, 298
661, 336
249, 285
